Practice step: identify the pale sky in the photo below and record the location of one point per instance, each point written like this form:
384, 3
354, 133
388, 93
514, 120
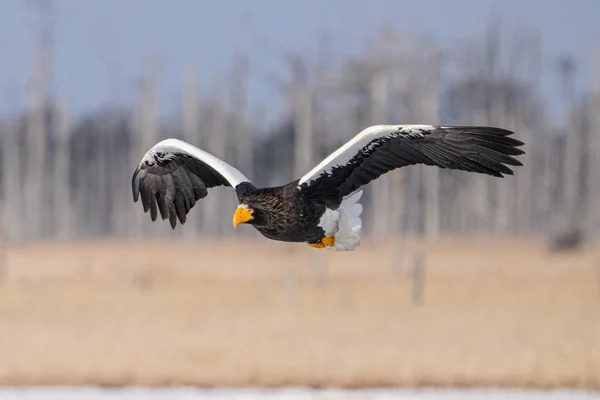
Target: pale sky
204, 34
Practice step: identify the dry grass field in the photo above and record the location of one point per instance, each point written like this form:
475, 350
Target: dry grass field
263, 313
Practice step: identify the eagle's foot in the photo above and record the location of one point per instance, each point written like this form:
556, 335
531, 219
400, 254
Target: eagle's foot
328, 241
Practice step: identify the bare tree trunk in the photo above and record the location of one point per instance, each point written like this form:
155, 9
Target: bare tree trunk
573, 150
554, 166
190, 131
381, 190
593, 194
216, 203
241, 83
542, 203
302, 106
61, 175
146, 130
523, 182
537, 183
500, 215
593, 113
473, 205
13, 207
98, 175
432, 175
399, 88
36, 127
387, 63
572, 174
117, 193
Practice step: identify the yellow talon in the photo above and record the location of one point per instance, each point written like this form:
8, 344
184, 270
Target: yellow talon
325, 242
328, 241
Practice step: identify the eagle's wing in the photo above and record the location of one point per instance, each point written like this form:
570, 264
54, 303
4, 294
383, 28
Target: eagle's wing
382, 148
174, 175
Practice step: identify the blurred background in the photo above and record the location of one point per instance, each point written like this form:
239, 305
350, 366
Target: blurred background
462, 280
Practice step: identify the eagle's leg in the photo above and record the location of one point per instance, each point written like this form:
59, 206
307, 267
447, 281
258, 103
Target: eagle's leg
328, 241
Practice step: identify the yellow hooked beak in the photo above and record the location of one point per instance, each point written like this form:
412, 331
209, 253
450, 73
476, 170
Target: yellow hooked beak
242, 214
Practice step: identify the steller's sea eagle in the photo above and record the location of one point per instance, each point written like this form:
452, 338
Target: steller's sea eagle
321, 208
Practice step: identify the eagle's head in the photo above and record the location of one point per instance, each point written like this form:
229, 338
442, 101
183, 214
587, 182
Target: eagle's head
255, 212
253, 206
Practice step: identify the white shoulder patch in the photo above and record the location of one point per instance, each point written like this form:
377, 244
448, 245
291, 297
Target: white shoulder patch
365, 138
416, 131
170, 148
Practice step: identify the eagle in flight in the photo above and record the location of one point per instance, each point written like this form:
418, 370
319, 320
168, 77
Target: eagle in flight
321, 208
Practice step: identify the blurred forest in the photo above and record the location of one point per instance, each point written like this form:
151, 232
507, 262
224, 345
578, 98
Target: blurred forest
66, 178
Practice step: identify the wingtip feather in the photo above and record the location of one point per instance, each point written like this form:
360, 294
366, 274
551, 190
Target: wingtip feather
135, 185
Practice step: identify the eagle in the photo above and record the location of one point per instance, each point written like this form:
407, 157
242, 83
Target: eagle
323, 207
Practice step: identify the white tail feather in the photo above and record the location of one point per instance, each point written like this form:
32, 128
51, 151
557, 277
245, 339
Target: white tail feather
348, 233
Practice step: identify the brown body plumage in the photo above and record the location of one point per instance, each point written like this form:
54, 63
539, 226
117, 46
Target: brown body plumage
282, 213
